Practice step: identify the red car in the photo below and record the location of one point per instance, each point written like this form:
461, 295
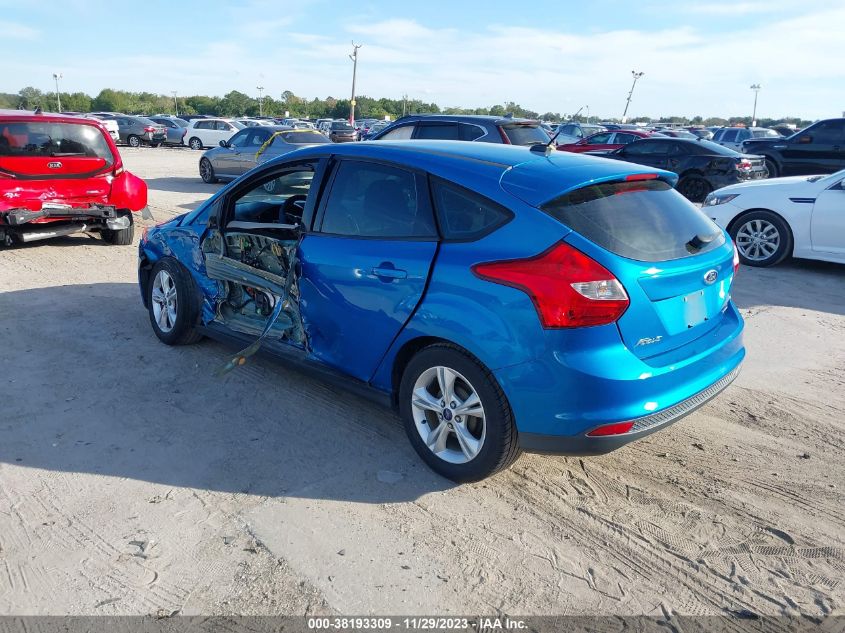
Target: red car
61, 175
604, 142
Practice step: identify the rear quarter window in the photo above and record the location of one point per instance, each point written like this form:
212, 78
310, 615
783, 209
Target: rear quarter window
464, 215
646, 221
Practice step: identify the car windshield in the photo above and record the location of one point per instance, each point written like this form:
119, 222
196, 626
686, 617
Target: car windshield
53, 139
525, 134
303, 137
341, 126
646, 221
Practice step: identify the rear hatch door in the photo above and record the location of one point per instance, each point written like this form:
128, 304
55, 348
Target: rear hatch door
675, 264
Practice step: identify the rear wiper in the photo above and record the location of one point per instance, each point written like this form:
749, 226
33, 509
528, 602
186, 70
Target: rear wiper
700, 241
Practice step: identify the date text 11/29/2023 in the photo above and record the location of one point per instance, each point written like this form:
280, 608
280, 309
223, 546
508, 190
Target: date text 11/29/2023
416, 623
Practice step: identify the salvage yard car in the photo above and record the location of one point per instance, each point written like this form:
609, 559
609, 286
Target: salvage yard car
252, 146
770, 220
61, 175
702, 166
501, 298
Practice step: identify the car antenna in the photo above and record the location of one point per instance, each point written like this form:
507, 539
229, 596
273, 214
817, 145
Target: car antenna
547, 148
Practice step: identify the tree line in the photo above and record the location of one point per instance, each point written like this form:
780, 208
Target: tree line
237, 103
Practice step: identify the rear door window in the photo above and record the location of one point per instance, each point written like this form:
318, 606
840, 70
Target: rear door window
729, 136
438, 131
375, 200
646, 221
469, 132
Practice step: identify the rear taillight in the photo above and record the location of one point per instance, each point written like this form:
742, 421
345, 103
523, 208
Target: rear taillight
743, 164
612, 429
568, 288
504, 136
149, 129
736, 260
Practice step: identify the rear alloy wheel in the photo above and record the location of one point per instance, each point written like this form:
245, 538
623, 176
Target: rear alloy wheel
762, 238
207, 171
133, 141
456, 415
694, 188
195, 143
172, 303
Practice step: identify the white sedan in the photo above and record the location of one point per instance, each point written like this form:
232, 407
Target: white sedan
770, 220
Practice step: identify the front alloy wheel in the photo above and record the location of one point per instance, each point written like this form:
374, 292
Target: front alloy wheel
762, 239
164, 301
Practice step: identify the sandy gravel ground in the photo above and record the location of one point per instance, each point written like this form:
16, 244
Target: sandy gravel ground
132, 481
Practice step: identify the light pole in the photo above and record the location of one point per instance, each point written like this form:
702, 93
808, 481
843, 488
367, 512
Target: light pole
636, 76
260, 90
175, 104
354, 58
404, 103
58, 76
756, 88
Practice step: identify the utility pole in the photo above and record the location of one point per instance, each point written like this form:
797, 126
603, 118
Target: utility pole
756, 88
404, 103
636, 76
260, 90
175, 104
58, 76
354, 58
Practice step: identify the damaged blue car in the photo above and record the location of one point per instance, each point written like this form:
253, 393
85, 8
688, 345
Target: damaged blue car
501, 298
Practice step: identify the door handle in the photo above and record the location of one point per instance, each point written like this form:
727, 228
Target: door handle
388, 274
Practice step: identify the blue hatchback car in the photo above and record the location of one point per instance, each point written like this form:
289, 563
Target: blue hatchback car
501, 298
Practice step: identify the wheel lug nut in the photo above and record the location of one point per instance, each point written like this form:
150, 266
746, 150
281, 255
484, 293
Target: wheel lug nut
453, 404
457, 418
442, 403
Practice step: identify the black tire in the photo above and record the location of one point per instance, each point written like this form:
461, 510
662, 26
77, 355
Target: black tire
183, 331
774, 172
120, 237
500, 447
207, 171
195, 143
133, 141
785, 241
694, 188
154, 144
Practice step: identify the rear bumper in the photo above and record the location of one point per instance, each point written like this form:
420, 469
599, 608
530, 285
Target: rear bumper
17, 217
588, 378
646, 425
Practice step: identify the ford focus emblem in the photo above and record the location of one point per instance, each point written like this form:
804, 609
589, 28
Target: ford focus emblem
54, 165
710, 276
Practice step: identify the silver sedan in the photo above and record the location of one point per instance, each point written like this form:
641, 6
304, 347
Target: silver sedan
253, 146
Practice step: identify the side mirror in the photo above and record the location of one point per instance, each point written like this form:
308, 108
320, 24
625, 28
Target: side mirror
224, 143
804, 140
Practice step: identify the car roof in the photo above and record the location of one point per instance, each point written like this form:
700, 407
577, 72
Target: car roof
530, 176
30, 116
468, 118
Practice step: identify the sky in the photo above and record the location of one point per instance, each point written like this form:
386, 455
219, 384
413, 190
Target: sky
697, 57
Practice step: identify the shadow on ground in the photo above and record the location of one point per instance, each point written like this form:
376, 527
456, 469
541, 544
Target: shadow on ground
88, 388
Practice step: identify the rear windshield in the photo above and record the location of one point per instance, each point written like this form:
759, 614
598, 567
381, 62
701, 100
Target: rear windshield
712, 148
764, 134
298, 138
525, 134
647, 221
53, 139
